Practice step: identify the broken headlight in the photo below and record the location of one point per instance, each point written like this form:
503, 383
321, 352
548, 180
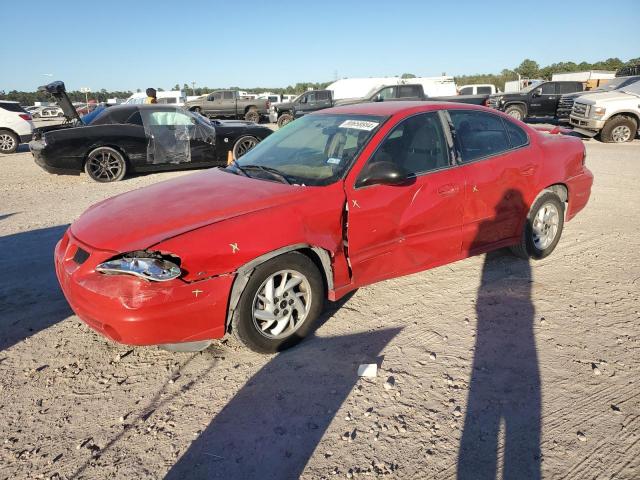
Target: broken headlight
148, 265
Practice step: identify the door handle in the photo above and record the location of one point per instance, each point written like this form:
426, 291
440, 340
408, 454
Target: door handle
448, 189
528, 169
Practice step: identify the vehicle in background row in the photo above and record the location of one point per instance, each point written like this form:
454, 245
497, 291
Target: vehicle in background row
171, 97
615, 115
16, 126
514, 86
47, 112
349, 196
229, 104
320, 99
477, 89
138, 138
565, 105
537, 100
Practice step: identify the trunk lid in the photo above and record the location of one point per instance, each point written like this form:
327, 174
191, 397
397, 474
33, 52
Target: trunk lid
57, 90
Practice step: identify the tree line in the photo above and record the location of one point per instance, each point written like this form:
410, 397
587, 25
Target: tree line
527, 69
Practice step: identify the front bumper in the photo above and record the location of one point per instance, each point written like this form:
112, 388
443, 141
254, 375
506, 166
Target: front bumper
273, 117
134, 311
38, 149
586, 123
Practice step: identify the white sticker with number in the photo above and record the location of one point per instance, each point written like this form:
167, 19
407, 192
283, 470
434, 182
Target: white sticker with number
359, 125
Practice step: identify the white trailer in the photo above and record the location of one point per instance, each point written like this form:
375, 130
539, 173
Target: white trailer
591, 79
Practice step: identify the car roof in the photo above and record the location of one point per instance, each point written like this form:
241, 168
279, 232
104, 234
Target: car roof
8, 101
395, 107
150, 106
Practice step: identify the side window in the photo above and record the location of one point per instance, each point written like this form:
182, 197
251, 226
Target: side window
467, 91
405, 91
569, 87
479, 134
228, 95
417, 145
385, 94
323, 96
135, 119
311, 97
549, 88
167, 118
217, 96
484, 90
517, 136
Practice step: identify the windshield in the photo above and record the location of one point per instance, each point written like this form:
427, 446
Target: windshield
530, 87
315, 149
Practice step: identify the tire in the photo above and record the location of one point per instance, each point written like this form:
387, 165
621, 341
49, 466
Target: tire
197, 110
263, 335
620, 129
515, 111
9, 141
284, 119
538, 238
252, 116
105, 164
243, 145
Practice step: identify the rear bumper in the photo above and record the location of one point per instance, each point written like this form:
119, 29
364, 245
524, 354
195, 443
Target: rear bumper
579, 192
26, 138
134, 311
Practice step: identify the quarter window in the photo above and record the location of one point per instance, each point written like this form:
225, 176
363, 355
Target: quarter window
479, 134
417, 145
517, 136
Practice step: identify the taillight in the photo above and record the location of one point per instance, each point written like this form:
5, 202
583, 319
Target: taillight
26, 116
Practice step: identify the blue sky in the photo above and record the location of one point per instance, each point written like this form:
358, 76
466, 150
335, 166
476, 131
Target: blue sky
135, 44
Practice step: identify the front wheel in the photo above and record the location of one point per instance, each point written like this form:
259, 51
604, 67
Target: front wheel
105, 164
619, 129
542, 229
281, 302
243, 145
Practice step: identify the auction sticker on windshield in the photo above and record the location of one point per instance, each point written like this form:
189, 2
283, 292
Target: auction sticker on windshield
359, 125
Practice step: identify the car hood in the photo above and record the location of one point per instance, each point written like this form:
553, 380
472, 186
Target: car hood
59, 92
142, 218
614, 96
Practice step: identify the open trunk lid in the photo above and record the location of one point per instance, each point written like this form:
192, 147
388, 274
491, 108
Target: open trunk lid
58, 91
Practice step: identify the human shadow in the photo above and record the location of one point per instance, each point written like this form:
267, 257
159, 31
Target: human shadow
272, 426
30, 297
505, 380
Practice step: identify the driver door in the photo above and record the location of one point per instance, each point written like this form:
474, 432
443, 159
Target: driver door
399, 229
546, 102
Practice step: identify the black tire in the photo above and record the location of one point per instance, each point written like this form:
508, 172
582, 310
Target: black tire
252, 116
9, 141
528, 247
197, 110
244, 325
105, 164
515, 111
619, 129
243, 145
284, 119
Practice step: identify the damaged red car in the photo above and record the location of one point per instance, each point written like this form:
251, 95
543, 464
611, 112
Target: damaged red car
333, 201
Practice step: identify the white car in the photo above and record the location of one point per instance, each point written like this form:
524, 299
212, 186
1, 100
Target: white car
48, 112
16, 126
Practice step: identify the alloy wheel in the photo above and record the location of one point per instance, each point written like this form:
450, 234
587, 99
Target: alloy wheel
104, 165
244, 146
545, 226
7, 142
281, 304
621, 134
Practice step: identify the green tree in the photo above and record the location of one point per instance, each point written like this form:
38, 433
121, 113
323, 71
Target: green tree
407, 75
528, 68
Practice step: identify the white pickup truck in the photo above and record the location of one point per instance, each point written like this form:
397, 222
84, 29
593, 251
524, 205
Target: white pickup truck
614, 115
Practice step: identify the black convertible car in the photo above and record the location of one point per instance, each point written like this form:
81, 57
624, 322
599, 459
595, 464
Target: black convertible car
138, 138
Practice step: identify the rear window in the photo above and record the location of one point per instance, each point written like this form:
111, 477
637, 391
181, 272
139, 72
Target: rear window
12, 107
484, 90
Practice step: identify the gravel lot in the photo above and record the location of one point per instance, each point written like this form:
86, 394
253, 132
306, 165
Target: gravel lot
524, 365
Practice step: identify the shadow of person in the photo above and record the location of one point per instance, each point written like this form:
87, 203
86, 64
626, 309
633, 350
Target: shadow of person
272, 426
505, 380
30, 297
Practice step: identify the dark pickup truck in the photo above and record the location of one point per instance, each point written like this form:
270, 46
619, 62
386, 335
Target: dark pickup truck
229, 104
319, 99
538, 100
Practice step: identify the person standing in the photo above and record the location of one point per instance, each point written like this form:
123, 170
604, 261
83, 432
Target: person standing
151, 96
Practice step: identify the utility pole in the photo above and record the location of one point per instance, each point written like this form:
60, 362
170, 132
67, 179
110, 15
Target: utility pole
193, 88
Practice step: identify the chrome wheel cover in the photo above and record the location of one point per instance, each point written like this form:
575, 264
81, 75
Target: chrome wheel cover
281, 304
104, 165
244, 146
545, 226
621, 133
7, 142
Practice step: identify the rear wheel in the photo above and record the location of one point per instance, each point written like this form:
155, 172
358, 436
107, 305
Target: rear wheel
542, 229
619, 129
284, 119
105, 164
280, 303
9, 141
243, 145
515, 111
252, 116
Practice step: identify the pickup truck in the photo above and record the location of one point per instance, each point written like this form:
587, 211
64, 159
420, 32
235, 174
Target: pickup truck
614, 115
320, 99
537, 100
229, 104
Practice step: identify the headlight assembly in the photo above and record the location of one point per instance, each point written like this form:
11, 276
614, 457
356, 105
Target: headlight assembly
599, 111
147, 265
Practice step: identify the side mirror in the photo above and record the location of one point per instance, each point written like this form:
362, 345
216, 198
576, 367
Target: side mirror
537, 92
382, 173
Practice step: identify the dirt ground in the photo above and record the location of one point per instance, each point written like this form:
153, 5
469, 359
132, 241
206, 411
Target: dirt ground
487, 365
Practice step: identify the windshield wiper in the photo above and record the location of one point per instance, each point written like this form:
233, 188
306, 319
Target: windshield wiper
234, 163
273, 171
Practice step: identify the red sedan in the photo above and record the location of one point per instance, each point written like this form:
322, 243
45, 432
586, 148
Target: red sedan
334, 201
